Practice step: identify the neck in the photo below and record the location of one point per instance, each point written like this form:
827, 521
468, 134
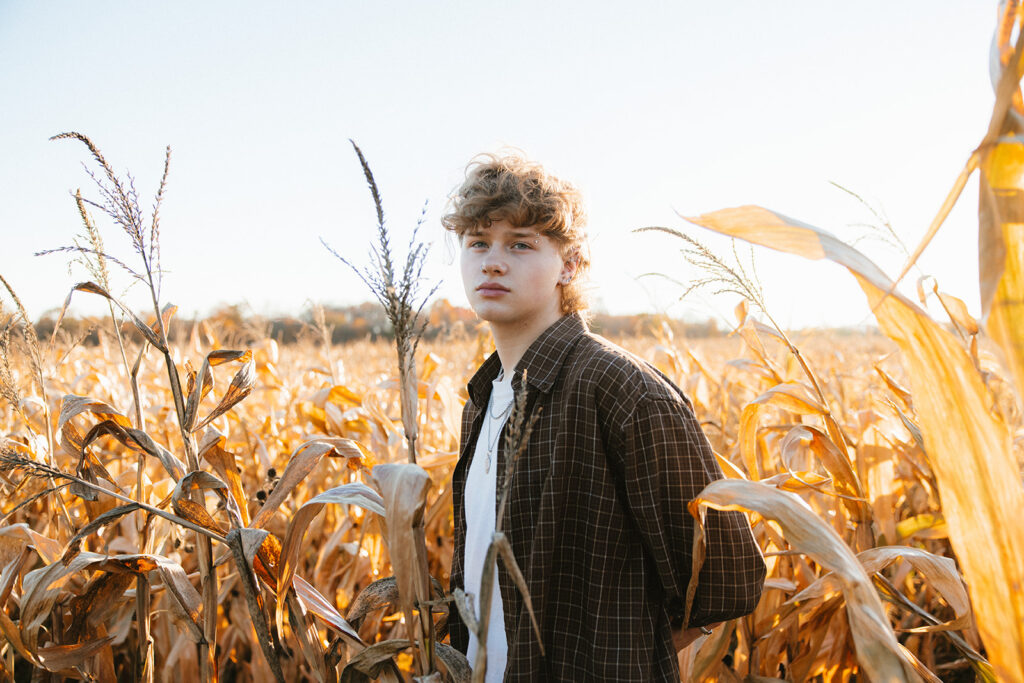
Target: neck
512, 339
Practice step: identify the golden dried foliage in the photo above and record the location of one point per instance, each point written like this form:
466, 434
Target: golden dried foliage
173, 526
301, 446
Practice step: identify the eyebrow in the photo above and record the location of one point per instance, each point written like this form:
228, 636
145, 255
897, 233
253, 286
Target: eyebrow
515, 233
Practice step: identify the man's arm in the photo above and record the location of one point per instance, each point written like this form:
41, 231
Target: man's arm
667, 461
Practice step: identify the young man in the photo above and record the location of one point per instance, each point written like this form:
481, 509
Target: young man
596, 516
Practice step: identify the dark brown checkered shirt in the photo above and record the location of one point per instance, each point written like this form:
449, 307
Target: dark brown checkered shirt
597, 515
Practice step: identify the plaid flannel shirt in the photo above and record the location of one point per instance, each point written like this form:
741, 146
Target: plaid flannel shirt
597, 516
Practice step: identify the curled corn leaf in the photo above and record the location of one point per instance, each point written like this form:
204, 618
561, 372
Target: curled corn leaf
969, 448
878, 651
301, 462
347, 494
93, 288
240, 387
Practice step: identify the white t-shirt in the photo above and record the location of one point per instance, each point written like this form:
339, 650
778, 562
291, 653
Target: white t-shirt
480, 502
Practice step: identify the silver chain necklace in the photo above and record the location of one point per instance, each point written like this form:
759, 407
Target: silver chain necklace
500, 418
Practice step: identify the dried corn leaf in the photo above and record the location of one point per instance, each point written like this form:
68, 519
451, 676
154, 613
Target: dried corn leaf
1001, 249
240, 387
268, 559
93, 288
969, 449
454, 661
378, 594
300, 463
42, 587
40, 590
711, 651
10, 572
835, 462
774, 230
72, 405
958, 313
895, 387
47, 548
251, 541
160, 326
780, 585
374, 662
878, 651
404, 488
184, 598
58, 658
799, 481
74, 546
211, 448
103, 594
197, 514
306, 633
464, 605
12, 634
316, 603
728, 468
193, 510
139, 440
90, 467
793, 397
347, 494
755, 367
8, 628
915, 431
748, 331
940, 572
196, 481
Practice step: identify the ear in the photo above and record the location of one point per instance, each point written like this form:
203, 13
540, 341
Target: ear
569, 266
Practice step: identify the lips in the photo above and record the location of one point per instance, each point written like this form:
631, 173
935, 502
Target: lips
492, 288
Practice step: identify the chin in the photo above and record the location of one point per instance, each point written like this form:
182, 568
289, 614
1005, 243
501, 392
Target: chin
493, 314
488, 314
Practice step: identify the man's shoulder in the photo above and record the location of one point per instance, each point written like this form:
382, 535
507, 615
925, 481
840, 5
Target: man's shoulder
611, 371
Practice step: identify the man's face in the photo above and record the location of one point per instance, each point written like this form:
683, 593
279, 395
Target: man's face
513, 276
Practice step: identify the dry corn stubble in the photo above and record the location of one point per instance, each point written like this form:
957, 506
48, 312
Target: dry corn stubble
341, 551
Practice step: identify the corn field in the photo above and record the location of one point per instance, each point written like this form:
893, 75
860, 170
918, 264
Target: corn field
320, 419
190, 503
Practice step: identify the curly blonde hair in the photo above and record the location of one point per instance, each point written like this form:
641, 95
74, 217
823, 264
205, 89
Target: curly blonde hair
521, 192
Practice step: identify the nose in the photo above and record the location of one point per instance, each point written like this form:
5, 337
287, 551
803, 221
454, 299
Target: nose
492, 263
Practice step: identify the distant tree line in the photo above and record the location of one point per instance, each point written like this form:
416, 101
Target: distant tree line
234, 325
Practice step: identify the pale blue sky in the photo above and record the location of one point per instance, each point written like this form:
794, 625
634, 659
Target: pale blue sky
650, 107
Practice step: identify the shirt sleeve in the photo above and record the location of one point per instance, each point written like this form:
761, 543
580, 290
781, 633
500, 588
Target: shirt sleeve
667, 461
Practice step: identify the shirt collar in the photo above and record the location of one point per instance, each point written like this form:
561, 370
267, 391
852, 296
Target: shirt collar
541, 362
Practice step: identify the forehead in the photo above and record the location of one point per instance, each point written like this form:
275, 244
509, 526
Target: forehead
504, 229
